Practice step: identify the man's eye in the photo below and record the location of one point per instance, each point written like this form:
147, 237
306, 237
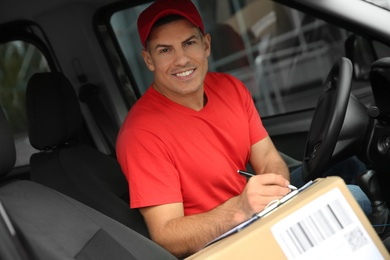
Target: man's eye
190, 43
164, 50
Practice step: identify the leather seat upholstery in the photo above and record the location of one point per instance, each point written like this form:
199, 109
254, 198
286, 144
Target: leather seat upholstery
67, 165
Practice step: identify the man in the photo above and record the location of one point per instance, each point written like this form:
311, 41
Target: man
182, 143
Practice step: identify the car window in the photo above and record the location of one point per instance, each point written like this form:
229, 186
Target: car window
381, 3
282, 55
19, 60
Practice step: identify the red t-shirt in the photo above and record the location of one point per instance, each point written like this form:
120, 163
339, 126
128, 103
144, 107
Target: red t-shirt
170, 153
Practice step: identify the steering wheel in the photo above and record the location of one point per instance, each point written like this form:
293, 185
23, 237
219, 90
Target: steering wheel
327, 120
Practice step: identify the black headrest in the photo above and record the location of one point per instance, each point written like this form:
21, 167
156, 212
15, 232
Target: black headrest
53, 112
7, 146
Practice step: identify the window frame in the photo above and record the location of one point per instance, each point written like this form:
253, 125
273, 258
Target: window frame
30, 33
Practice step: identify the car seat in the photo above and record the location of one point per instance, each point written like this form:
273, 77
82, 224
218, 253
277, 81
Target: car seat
37, 222
67, 165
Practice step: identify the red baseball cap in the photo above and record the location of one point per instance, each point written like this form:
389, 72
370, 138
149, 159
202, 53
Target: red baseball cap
163, 8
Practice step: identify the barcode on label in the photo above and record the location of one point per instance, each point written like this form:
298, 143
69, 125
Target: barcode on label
315, 228
327, 226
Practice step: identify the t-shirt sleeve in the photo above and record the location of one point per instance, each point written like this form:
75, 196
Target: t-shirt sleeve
257, 131
256, 128
147, 165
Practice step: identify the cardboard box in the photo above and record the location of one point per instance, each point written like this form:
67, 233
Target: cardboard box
323, 221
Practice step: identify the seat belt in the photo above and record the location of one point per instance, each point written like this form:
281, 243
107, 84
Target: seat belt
11, 246
89, 94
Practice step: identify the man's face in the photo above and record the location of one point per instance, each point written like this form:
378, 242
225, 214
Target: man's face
177, 54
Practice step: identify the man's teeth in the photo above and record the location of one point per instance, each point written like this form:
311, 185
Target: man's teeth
185, 73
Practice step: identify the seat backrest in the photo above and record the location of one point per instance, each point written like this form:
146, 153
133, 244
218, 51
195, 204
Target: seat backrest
66, 165
45, 224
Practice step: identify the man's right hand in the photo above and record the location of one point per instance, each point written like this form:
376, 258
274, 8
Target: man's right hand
260, 191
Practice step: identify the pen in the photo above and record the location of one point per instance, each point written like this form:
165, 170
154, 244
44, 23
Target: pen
248, 175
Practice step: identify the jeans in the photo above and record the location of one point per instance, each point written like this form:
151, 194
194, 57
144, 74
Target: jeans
348, 170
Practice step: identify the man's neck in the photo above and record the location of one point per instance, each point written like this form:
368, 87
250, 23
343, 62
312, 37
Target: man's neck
194, 101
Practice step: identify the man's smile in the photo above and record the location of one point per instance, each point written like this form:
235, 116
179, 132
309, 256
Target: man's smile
184, 73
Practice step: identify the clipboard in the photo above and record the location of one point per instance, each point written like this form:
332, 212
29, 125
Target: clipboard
261, 214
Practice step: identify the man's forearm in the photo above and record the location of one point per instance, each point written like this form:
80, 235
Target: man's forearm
278, 166
186, 235
264, 158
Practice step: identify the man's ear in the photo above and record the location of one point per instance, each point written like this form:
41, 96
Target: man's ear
148, 60
207, 44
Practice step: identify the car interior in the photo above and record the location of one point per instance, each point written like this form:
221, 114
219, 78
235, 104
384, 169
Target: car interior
318, 72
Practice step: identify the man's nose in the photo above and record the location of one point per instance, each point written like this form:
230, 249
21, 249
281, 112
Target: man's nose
181, 57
